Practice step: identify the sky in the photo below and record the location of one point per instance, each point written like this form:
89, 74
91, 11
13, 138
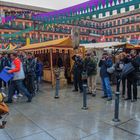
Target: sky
51, 4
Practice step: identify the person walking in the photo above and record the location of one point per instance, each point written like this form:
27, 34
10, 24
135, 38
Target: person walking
105, 63
17, 81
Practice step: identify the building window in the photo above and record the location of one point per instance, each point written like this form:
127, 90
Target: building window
132, 19
131, 8
102, 25
114, 31
110, 24
118, 22
132, 28
122, 10
138, 18
50, 37
106, 32
114, 12
100, 15
114, 23
137, 28
106, 24
110, 32
123, 29
118, 30
107, 14
127, 29
94, 16
123, 21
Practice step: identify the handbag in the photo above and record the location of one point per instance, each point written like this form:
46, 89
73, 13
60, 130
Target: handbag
127, 69
111, 70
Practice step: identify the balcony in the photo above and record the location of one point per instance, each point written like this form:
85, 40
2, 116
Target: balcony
125, 23
11, 27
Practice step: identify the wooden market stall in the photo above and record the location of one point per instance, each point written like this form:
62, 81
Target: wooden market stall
99, 48
49, 52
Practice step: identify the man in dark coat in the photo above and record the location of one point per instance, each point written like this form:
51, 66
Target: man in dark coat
77, 73
132, 77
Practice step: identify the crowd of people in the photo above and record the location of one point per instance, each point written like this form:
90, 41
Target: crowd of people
85, 71
27, 72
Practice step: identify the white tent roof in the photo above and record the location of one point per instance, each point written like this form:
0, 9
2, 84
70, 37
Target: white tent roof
101, 45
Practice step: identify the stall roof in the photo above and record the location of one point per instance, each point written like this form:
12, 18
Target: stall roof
64, 42
102, 45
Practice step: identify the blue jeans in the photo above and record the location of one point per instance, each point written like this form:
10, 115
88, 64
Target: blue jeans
106, 87
17, 85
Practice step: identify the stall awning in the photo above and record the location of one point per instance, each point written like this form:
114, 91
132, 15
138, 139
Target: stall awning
102, 45
133, 47
64, 42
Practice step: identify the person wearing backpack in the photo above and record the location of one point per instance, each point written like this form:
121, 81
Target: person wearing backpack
90, 65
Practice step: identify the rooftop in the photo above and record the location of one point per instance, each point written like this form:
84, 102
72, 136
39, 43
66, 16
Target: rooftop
22, 6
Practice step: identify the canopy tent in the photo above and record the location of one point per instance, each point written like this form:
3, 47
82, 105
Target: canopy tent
137, 47
64, 42
49, 52
103, 45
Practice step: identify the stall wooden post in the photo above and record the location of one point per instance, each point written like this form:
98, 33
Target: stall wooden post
51, 63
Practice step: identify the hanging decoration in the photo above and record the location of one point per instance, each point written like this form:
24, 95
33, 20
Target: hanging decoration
62, 16
14, 15
82, 8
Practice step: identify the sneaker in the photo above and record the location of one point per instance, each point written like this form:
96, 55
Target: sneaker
20, 95
15, 96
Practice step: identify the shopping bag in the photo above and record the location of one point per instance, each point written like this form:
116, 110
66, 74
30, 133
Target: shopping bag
127, 69
5, 76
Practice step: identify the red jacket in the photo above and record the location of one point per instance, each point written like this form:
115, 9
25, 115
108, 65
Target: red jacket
17, 64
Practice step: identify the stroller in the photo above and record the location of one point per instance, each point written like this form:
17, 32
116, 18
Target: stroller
4, 111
